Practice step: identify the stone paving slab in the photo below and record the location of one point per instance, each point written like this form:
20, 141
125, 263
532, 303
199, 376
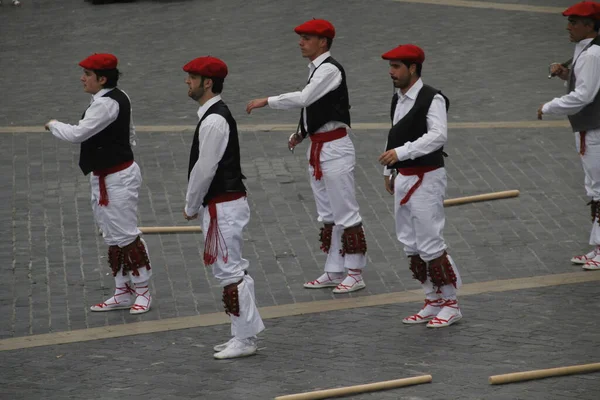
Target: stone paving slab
501, 333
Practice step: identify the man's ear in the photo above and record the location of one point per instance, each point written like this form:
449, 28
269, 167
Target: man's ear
412, 69
323, 42
101, 80
208, 83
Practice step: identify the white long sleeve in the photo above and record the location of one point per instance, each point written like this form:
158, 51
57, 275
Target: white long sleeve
587, 84
326, 78
213, 137
101, 113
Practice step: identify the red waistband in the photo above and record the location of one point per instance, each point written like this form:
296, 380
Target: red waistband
415, 170
229, 196
112, 170
323, 137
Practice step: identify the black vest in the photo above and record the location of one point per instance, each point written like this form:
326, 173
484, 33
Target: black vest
334, 106
412, 127
109, 147
228, 177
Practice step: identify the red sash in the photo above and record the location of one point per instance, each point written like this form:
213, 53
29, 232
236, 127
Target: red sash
419, 172
102, 173
316, 146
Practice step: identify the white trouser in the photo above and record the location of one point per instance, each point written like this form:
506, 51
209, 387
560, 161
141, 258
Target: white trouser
232, 217
420, 222
591, 168
335, 198
118, 220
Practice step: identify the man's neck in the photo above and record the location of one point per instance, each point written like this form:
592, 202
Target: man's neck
207, 96
590, 36
318, 55
406, 89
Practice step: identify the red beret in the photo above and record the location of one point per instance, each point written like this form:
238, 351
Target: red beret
99, 61
210, 67
405, 52
589, 9
317, 27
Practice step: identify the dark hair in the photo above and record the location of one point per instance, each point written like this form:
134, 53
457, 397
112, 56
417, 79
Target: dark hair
588, 21
217, 86
329, 42
419, 66
111, 75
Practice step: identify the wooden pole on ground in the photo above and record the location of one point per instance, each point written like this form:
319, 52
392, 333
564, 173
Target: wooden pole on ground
481, 197
447, 203
543, 373
345, 391
170, 229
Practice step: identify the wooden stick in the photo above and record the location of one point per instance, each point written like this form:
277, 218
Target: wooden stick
345, 391
543, 373
170, 229
481, 197
447, 203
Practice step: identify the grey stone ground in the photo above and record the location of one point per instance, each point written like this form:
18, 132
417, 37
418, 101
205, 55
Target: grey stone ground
491, 63
504, 332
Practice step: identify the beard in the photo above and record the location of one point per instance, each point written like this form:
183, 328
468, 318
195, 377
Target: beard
196, 94
401, 83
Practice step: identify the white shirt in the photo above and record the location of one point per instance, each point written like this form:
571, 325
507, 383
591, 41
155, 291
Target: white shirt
102, 112
437, 125
213, 137
326, 79
586, 66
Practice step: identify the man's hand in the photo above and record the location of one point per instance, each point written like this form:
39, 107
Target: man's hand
256, 103
557, 69
294, 140
389, 184
47, 127
388, 158
188, 217
539, 112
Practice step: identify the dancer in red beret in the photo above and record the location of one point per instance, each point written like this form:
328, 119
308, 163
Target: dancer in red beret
106, 134
415, 151
582, 105
325, 118
216, 194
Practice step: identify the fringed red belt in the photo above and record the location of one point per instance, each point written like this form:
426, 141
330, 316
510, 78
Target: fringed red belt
214, 238
316, 146
582, 142
102, 173
420, 173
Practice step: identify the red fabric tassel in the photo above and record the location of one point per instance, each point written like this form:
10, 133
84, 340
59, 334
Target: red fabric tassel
215, 242
103, 193
582, 142
315, 159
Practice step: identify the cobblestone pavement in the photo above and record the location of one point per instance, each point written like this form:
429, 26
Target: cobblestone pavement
491, 63
501, 333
